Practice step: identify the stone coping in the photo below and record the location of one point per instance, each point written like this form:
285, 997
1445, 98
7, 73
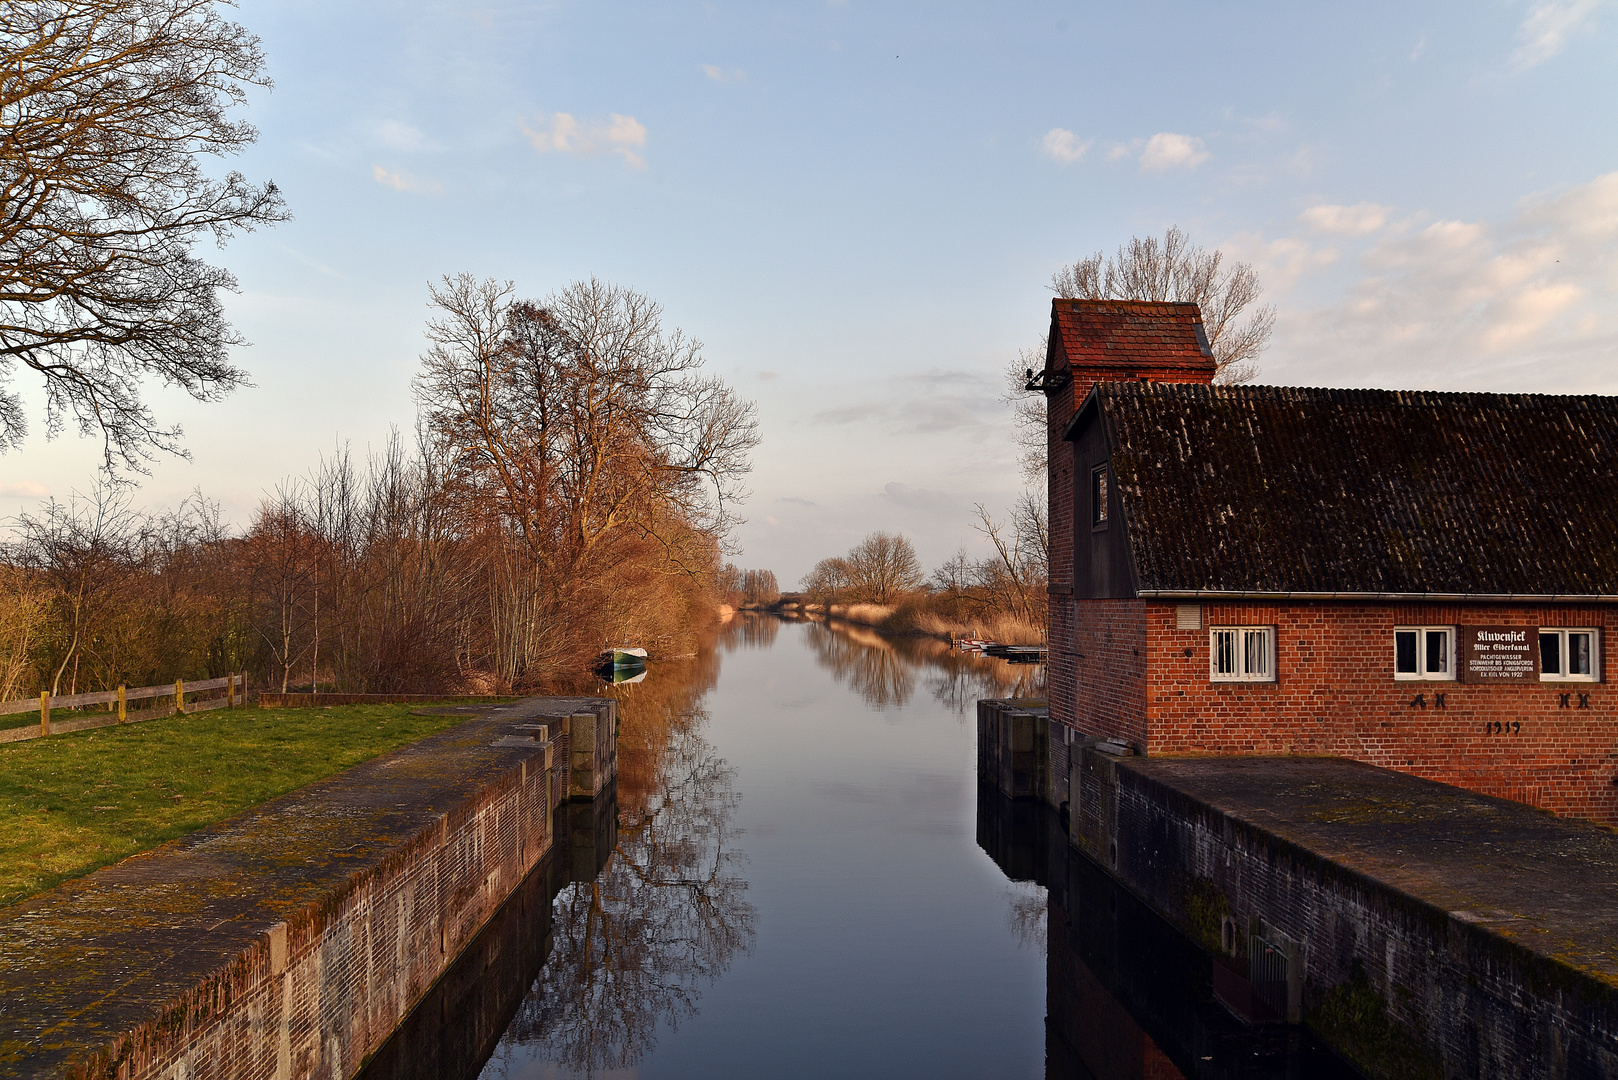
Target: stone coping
107, 953
1547, 884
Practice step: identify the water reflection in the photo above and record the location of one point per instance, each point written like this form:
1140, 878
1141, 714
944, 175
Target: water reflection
1127, 995
635, 945
888, 671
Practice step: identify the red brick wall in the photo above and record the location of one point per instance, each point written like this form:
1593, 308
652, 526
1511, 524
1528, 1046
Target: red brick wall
1335, 694
1059, 673
1111, 650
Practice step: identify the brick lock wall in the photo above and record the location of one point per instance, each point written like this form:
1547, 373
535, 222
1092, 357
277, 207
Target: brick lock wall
1335, 694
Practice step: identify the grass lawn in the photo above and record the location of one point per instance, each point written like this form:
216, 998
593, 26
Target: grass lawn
72, 803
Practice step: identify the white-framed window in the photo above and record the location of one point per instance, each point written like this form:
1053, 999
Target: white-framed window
1424, 652
1241, 654
1568, 654
1099, 497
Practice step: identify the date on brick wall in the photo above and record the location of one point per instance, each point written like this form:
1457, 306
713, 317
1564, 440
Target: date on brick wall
1496, 654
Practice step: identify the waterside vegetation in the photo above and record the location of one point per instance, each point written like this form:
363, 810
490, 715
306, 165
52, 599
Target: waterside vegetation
880, 584
571, 484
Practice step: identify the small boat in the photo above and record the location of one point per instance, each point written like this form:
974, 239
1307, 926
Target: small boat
625, 665
974, 644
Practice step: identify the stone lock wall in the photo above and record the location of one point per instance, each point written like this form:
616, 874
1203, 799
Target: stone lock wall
327, 988
291, 941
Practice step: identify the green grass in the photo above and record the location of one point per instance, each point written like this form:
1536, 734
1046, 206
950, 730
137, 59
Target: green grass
72, 803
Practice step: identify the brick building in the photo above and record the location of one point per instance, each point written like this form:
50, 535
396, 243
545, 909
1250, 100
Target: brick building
1422, 581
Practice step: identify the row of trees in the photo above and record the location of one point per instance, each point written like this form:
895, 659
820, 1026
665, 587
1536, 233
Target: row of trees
570, 486
885, 569
748, 588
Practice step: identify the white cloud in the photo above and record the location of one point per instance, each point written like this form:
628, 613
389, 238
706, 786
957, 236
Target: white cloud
1527, 303
1062, 145
1166, 150
1356, 220
26, 489
399, 181
621, 135
1547, 27
719, 74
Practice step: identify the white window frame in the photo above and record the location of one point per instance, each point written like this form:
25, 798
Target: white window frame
1243, 671
1595, 654
1422, 674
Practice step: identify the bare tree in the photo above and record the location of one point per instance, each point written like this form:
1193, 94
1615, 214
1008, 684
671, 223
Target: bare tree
1148, 269
1176, 269
84, 549
583, 416
883, 567
106, 107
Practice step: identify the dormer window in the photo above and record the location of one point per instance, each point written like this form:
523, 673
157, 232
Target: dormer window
1098, 497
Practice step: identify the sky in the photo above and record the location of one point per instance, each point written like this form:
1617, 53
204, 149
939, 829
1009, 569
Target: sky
857, 207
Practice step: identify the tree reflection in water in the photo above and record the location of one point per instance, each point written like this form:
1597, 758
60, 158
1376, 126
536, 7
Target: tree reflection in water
885, 671
635, 948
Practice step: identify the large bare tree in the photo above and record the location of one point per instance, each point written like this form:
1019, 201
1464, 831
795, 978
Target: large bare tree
1175, 269
582, 417
1147, 268
107, 108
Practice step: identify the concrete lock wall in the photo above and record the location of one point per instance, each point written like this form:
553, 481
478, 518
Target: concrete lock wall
1465, 993
343, 955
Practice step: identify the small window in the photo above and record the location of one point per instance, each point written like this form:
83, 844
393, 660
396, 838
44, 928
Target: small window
1098, 497
1568, 655
1241, 654
1424, 652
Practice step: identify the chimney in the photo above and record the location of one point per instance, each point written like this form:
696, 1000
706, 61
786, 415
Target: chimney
1095, 341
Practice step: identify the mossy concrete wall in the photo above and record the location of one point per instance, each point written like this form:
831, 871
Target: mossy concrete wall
1431, 931
290, 941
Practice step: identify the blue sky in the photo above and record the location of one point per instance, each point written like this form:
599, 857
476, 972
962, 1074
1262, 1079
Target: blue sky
857, 206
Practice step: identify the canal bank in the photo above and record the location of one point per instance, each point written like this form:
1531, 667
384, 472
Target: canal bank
1422, 929
292, 940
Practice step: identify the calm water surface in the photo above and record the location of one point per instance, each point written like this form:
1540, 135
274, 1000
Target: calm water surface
802, 877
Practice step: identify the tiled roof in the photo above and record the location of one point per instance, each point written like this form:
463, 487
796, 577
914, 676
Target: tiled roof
1284, 489
1117, 335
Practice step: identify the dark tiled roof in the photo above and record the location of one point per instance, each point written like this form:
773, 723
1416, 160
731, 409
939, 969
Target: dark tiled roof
1121, 335
1284, 489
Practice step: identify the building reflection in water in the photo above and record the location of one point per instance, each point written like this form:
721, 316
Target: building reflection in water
1127, 996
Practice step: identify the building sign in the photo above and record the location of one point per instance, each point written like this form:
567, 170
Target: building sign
1496, 654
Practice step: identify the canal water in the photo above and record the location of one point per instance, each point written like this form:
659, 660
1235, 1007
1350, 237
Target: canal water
801, 876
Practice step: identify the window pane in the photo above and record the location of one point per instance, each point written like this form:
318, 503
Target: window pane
1437, 652
1258, 653
1404, 652
1098, 497
1225, 652
1550, 654
1578, 654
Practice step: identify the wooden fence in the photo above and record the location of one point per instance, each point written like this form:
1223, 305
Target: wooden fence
117, 702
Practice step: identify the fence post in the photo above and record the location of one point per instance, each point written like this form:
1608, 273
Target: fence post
122, 702
44, 712
179, 697
230, 690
